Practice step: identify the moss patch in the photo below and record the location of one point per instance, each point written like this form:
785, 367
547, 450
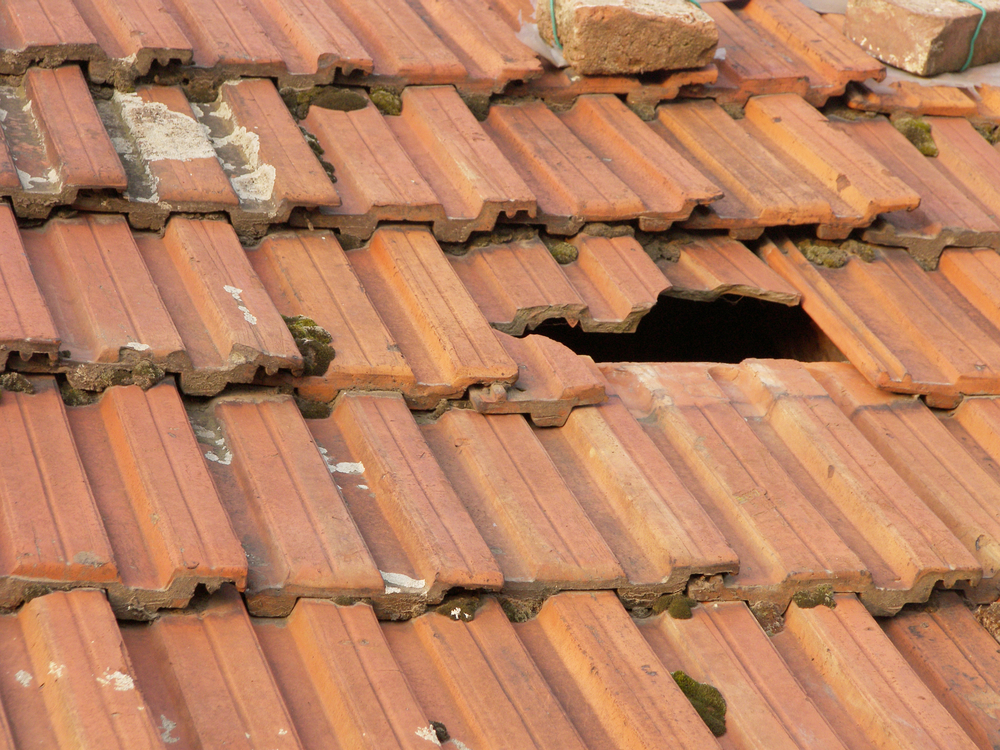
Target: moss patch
815, 597
917, 131
677, 606
988, 130
441, 731
768, 617
989, 618
328, 97
76, 397
600, 229
519, 610
459, 608
313, 409
314, 343
388, 102
734, 110
317, 149
824, 254
16, 382
707, 701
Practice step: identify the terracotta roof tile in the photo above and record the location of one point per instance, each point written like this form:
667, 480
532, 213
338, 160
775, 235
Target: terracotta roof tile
950, 213
910, 96
597, 162
432, 163
858, 680
522, 506
741, 437
957, 659
188, 301
517, 285
128, 503
708, 267
242, 154
53, 142
299, 538
905, 329
551, 381
933, 461
781, 46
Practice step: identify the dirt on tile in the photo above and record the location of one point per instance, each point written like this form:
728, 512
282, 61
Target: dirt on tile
821, 595
769, 617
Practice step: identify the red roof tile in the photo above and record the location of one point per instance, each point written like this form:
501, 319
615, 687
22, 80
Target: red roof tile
433, 163
517, 285
910, 96
905, 329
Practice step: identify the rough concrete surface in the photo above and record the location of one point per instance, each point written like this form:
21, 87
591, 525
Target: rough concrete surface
610, 37
924, 37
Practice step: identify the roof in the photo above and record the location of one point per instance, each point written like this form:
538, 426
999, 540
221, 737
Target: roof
294, 456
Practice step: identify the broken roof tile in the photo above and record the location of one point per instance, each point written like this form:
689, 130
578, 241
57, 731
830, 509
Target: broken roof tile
708, 267
117, 512
951, 212
299, 538
907, 330
517, 285
432, 163
597, 162
782, 46
910, 96
53, 143
524, 510
934, 463
418, 532
551, 381
740, 437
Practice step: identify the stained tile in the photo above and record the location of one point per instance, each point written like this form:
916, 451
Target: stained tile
432, 163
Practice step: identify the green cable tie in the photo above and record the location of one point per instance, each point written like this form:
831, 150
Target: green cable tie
695, 3
555, 34
975, 35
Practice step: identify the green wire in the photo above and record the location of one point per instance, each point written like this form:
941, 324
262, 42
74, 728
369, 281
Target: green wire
975, 36
555, 34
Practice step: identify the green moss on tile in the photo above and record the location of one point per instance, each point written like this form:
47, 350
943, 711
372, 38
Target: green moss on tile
677, 606
563, 252
313, 409
707, 701
769, 617
519, 610
388, 102
734, 110
824, 254
988, 130
77, 397
861, 249
821, 595
15, 382
600, 229
318, 149
314, 343
917, 131
336, 98
989, 618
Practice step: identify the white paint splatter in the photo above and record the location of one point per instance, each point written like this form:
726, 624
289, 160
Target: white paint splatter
459, 745
362, 486
160, 133
23, 677
57, 670
282, 732
346, 467
235, 292
28, 182
118, 680
401, 581
428, 733
214, 458
137, 346
166, 727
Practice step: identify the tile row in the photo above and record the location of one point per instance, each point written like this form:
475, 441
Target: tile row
934, 333
581, 674
754, 482
152, 153
389, 42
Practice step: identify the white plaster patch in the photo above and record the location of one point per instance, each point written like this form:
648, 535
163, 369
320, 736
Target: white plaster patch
160, 133
28, 182
23, 677
428, 733
401, 581
118, 680
362, 486
214, 458
57, 670
257, 185
235, 292
346, 467
137, 346
166, 727
459, 744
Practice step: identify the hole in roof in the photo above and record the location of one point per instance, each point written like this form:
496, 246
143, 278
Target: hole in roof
729, 329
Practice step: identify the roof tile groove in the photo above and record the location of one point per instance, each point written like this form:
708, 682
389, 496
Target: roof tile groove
580, 674
173, 150
566, 161
188, 302
53, 143
905, 329
956, 208
517, 285
777, 46
743, 439
432, 163
126, 502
